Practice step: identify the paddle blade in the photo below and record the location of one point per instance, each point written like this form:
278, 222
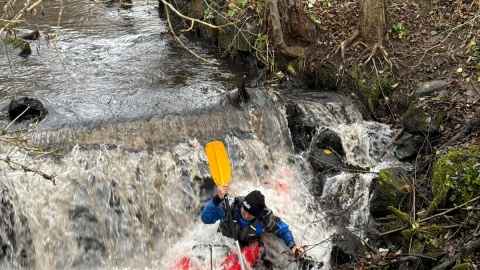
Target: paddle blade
218, 162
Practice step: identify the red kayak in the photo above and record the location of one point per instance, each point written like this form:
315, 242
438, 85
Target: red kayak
251, 255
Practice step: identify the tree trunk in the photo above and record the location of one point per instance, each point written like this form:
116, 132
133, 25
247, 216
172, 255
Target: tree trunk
297, 27
372, 22
292, 30
371, 29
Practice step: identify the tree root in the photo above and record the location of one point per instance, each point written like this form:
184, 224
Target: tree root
347, 42
373, 49
368, 53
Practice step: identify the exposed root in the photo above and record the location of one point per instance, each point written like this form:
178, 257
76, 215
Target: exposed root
373, 49
347, 42
370, 50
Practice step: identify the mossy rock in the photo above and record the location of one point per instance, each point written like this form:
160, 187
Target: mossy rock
390, 189
371, 89
21, 44
418, 120
456, 176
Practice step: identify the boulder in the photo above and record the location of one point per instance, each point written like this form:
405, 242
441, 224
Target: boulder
26, 108
390, 189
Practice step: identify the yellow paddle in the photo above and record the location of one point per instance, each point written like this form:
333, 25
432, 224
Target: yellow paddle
218, 162
220, 169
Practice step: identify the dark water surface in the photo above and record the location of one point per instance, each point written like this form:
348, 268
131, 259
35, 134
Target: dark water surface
107, 64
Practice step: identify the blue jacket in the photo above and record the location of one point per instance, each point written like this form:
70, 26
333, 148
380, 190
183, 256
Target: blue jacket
266, 222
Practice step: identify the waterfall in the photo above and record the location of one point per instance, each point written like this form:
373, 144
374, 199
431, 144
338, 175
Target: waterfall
363, 143
128, 194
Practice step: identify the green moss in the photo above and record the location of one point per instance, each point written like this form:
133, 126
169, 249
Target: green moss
433, 229
21, 44
417, 246
408, 233
462, 266
390, 190
390, 226
435, 255
437, 201
371, 87
401, 215
416, 119
456, 176
393, 180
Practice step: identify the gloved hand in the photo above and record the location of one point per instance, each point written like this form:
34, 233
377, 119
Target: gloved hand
298, 251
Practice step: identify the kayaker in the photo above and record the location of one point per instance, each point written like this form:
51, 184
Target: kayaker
251, 218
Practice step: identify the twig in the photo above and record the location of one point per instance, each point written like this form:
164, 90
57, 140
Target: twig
475, 87
55, 40
418, 255
350, 206
450, 210
25, 168
363, 242
179, 41
469, 127
16, 118
195, 20
390, 143
393, 231
23, 11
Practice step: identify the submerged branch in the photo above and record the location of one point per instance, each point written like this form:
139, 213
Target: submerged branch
26, 168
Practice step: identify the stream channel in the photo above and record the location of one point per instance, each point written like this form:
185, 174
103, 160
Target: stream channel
130, 112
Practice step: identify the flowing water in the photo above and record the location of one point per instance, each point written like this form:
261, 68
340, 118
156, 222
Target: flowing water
130, 113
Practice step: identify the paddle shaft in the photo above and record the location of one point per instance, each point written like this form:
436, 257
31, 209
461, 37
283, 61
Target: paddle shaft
232, 228
220, 168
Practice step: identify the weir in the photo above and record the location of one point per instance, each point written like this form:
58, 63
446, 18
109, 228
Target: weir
128, 195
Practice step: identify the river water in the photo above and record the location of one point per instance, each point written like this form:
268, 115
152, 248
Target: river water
130, 113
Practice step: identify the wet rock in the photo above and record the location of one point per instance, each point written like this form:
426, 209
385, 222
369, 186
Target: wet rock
389, 189
34, 35
328, 139
408, 146
345, 247
240, 96
20, 44
28, 108
426, 88
302, 133
91, 249
418, 120
16, 246
93, 252
318, 183
327, 152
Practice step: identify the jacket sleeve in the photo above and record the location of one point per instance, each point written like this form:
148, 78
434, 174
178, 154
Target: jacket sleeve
212, 211
285, 233
274, 224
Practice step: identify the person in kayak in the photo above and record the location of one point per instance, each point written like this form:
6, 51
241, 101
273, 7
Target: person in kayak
251, 218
